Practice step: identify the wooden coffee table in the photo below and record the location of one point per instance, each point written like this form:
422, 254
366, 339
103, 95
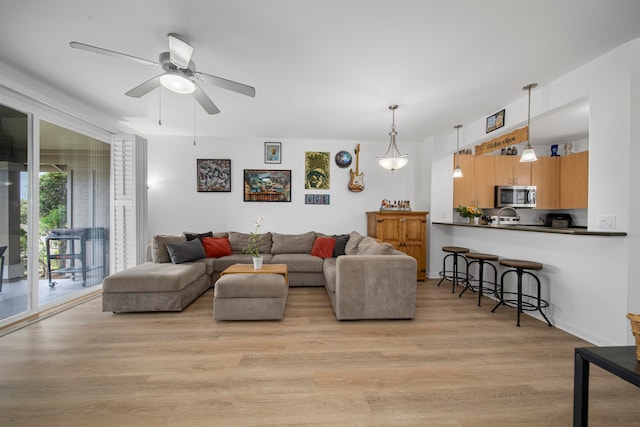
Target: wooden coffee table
266, 269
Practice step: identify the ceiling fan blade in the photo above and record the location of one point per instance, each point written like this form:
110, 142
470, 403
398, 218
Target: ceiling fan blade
205, 101
145, 87
227, 84
179, 50
107, 52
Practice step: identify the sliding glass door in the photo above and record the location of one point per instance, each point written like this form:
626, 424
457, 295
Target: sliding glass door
54, 213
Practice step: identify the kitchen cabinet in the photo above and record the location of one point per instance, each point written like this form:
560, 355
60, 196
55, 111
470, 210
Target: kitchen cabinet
475, 188
544, 175
510, 171
406, 231
573, 188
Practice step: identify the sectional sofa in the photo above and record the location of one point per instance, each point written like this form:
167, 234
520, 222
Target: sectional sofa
364, 279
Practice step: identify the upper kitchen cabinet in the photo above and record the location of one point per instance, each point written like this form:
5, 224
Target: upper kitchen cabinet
544, 175
475, 188
510, 171
573, 182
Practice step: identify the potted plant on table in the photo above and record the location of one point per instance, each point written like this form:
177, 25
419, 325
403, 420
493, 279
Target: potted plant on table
472, 212
253, 246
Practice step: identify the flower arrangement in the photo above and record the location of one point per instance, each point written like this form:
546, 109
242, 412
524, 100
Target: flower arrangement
469, 211
253, 246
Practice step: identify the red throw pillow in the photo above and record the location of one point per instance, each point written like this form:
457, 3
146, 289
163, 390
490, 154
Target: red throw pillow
323, 247
216, 247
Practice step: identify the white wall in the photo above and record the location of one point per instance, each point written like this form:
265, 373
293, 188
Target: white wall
175, 205
592, 279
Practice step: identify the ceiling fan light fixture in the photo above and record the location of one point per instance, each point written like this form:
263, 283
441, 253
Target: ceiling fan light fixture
393, 159
177, 83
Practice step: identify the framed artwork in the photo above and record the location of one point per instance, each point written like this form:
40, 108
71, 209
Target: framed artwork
213, 175
273, 152
316, 199
262, 185
316, 170
495, 121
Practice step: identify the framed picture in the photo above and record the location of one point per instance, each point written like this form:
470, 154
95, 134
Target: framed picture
495, 121
273, 152
316, 170
213, 175
262, 185
316, 199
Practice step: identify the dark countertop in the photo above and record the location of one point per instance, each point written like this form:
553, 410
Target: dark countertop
579, 231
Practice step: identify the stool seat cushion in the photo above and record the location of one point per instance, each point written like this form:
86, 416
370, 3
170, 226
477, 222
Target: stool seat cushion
520, 263
455, 249
251, 286
484, 257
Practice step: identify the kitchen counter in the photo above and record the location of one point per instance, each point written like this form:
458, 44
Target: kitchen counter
538, 229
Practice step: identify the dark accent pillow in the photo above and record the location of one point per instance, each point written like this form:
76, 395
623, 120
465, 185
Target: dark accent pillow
193, 236
216, 247
187, 251
323, 247
341, 244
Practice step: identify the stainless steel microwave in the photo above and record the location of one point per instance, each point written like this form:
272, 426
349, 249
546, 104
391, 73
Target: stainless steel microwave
516, 196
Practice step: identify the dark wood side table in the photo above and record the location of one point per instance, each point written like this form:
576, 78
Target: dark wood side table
620, 361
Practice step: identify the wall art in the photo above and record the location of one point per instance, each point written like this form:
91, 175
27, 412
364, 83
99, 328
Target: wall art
214, 175
495, 121
316, 170
273, 152
316, 199
262, 185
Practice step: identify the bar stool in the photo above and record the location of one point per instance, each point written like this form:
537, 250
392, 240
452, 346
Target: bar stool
456, 252
481, 259
520, 267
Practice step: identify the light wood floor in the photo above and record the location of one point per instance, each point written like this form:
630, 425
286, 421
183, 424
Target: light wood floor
456, 364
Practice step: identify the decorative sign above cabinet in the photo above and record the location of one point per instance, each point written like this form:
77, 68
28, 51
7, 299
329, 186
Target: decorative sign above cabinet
512, 138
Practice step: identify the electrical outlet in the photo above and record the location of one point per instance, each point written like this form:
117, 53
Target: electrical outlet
607, 221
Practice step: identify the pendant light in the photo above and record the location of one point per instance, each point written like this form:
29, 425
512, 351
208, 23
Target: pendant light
457, 172
528, 155
392, 159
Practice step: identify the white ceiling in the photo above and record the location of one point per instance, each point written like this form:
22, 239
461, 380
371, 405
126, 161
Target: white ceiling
322, 69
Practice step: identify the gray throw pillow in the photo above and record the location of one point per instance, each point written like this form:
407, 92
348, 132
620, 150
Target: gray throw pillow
341, 244
352, 244
188, 251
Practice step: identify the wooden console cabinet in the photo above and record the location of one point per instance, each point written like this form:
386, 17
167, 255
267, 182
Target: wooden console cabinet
406, 231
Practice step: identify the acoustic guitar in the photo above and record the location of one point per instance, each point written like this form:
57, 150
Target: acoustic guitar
356, 183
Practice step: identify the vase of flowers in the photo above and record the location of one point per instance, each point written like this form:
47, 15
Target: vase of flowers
472, 213
253, 246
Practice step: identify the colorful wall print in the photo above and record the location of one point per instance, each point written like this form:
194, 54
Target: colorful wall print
316, 170
261, 185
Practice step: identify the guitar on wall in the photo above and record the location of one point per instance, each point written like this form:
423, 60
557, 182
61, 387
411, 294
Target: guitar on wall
356, 183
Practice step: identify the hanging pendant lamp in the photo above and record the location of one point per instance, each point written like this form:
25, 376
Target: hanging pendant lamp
457, 172
528, 155
392, 159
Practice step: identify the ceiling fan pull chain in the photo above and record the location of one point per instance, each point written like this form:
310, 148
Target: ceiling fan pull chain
194, 123
160, 106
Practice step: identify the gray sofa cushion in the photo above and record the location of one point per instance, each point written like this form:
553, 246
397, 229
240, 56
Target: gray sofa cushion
220, 264
329, 270
239, 241
293, 243
151, 277
186, 251
299, 262
351, 247
159, 242
369, 246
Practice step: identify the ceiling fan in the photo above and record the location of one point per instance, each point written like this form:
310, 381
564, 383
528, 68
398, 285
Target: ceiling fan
179, 74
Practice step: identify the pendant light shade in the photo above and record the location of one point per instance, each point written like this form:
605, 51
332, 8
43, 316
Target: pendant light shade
529, 155
392, 159
457, 172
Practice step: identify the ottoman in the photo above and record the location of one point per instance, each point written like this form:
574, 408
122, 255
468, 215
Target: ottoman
250, 297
